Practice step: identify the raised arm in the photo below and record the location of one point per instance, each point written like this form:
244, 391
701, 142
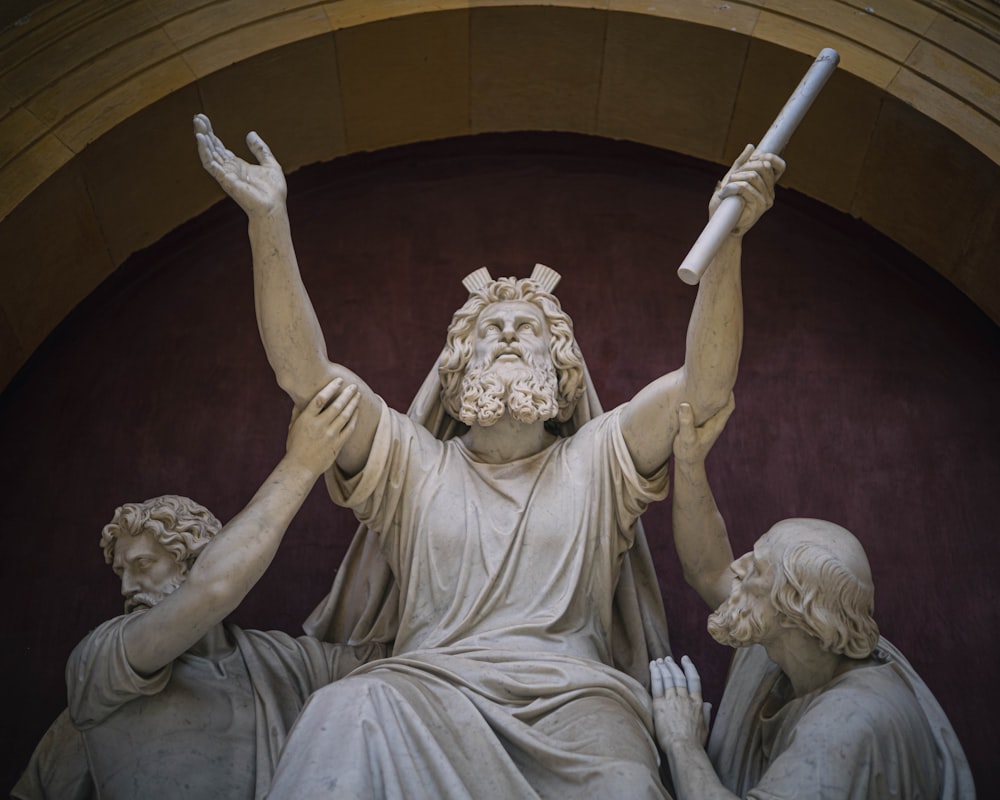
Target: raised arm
715, 331
679, 715
233, 562
289, 329
700, 534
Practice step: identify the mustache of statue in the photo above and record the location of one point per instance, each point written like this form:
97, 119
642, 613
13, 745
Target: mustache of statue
528, 389
150, 599
739, 621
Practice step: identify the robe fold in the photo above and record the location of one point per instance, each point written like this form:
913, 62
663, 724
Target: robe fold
873, 732
199, 727
502, 680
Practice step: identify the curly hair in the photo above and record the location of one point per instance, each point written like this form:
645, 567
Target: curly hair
817, 590
566, 356
180, 525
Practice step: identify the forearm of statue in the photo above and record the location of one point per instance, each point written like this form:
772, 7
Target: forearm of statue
289, 328
715, 332
714, 341
693, 774
292, 337
288, 325
232, 563
700, 534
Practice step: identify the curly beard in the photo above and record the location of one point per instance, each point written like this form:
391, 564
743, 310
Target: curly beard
150, 599
527, 390
739, 621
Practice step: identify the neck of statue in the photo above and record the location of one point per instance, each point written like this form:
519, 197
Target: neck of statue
507, 440
806, 664
214, 645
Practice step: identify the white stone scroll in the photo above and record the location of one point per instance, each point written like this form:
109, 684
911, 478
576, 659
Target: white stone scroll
728, 213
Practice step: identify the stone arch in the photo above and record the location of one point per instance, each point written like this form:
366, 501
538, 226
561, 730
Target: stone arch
97, 161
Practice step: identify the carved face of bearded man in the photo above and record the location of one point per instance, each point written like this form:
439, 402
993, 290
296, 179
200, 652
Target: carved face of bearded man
502, 347
809, 575
748, 615
151, 546
147, 570
511, 368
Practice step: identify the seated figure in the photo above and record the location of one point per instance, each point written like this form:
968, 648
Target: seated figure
816, 704
509, 570
169, 701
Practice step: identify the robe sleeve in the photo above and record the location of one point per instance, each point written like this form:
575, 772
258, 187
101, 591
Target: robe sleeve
58, 768
99, 679
863, 737
601, 442
402, 451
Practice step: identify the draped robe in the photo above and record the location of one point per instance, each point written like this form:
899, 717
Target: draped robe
198, 727
873, 732
501, 682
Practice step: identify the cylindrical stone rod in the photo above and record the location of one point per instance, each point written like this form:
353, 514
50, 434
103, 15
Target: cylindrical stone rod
728, 213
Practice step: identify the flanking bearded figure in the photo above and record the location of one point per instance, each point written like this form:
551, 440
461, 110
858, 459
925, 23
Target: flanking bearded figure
168, 700
816, 704
500, 553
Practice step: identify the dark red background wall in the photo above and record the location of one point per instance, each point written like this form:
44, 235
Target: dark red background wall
867, 394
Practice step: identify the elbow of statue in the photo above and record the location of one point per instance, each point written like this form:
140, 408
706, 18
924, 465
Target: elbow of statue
704, 406
703, 410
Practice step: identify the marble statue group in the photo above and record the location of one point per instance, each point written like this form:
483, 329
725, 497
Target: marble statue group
496, 629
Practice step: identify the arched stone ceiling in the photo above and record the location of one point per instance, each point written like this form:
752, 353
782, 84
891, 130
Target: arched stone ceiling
97, 158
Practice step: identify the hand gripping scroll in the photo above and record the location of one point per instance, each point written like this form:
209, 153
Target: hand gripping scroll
728, 213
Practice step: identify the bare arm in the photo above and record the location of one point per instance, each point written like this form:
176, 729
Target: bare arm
233, 562
289, 329
700, 534
715, 331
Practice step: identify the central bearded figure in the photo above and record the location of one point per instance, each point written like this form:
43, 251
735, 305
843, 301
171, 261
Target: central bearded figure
500, 552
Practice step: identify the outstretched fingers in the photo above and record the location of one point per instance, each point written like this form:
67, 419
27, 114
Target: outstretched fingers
261, 151
207, 154
202, 124
657, 679
216, 158
692, 679
678, 711
666, 677
677, 679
